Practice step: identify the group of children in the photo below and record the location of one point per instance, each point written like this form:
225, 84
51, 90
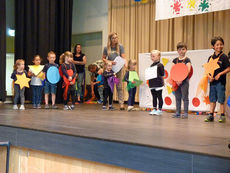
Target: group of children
106, 79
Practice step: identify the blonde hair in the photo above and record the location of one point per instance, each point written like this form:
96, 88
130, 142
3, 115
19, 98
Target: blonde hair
156, 52
64, 55
131, 61
109, 44
51, 52
17, 63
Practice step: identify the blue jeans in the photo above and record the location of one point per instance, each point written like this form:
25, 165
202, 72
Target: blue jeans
80, 81
19, 94
37, 94
132, 93
217, 93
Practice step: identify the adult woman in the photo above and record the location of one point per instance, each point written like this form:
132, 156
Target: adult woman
79, 59
111, 51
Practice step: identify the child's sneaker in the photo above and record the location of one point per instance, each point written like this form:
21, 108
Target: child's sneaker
222, 119
72, 107
66, 107
209, 118
99, 102
176, 115
111, 108
184, 116
158, 112
15, 107
130, 108
34, 106
39, 106
22, 107
54, 107
153, 112
104, 108
47, 106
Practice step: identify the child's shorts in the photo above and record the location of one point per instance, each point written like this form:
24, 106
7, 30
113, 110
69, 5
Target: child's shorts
50, 88
217, 93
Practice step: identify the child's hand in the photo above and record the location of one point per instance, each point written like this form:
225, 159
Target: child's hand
179, 83
113, 62
70, 78
217, 76
133, 81
30, 74
211, 79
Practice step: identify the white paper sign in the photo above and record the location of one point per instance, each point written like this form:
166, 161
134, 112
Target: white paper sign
120, 62
151, 73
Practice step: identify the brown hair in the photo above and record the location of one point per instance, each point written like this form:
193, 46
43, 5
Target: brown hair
17, 63
181, 45
131, 61
37, 56
109, 44
51, 52
64, 55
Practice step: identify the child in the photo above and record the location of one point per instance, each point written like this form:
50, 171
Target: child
69, 76
156, 84
100, 85
132, 91
182, 91
36, 84
108, 73
19, 93
218, 80
50, 88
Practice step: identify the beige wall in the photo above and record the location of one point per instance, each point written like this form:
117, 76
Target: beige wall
24, 160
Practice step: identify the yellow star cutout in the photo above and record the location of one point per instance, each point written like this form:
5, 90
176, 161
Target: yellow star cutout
211, 66
22, 81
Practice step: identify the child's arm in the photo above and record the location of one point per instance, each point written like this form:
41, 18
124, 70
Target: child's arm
13, 75
222, 73
64, 71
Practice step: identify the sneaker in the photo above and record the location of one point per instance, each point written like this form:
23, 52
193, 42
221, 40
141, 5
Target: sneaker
99, 102
222, 119
158, 112
130, 108
66, 107
72, 107
184, 116
47, 106
176, 115
54, 107
153, 112
39, 106
34, 106
22, 107
209, 118
15, 107
104, 108
111, 108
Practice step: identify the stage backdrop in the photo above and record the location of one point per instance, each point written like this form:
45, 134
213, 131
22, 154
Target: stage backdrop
166, 9
198, 58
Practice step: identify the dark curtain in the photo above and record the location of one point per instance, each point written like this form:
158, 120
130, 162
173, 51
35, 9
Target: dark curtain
2, 50
42, 26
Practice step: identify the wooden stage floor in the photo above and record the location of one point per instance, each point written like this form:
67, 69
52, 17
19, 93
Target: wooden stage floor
189, 135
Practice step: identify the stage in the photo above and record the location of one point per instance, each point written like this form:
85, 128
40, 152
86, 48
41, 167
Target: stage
133, 140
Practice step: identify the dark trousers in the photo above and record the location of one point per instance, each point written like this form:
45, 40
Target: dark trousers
37, 94
157, 95
182, 94
107, 93
19, 94
71, 92
132, 93
96, 92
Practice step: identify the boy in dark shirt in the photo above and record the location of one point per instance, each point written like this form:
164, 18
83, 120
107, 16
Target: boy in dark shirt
218, 80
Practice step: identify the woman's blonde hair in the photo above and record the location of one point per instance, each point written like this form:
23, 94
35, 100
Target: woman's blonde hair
64, 55
17, 63
131, 61
109, 44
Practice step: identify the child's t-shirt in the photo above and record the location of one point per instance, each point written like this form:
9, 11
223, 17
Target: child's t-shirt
14, 77
185, 61
99, 79
47, 66
223, 63
159, 81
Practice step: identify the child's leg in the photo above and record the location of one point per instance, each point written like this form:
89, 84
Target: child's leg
185, 94
212, 107
53, 88
53, 98
222, 109
16, 94
154, 95
160, 99
134, 93
106, 94
178, 96
46, 99
130, 97
47, 89
22, 96
100, 91
39, 96
110, 97
72, 93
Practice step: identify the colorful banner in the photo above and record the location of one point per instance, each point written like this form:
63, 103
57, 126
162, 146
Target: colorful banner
166, 9
196, 102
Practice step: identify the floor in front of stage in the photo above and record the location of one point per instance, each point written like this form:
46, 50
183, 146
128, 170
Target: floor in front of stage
137, 127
